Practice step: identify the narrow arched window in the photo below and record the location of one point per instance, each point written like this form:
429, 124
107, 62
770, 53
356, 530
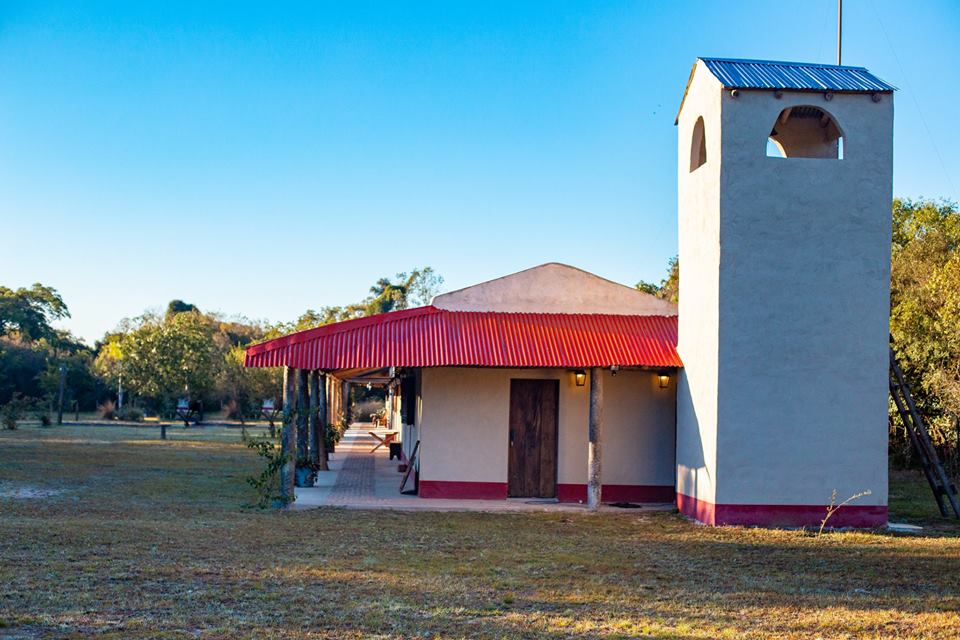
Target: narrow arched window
805, 132
698, 145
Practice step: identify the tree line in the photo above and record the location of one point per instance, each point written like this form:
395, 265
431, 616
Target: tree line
158, 357
148, 363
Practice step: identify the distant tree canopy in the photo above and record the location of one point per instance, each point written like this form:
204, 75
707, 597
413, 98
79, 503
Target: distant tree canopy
32, 350
179, 306
406, 290
186, 353
28, 313
669, 287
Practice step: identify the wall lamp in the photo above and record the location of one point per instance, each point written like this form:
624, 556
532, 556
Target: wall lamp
664, 379
580, 376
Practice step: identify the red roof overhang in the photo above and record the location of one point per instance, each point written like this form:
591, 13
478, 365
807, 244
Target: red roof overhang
431, 337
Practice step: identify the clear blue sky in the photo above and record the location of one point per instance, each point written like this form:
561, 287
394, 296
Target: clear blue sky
261, 161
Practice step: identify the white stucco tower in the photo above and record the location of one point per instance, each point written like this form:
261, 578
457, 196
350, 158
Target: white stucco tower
785, 187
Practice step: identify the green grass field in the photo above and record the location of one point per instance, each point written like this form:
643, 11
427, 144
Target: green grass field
140, 538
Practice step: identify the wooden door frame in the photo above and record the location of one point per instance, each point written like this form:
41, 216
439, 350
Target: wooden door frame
555, 452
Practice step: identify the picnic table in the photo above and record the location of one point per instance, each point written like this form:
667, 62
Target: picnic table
270, 413
387, 438
189, 411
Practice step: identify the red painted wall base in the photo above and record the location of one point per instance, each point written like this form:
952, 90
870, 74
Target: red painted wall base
772, 515
463, 490
455, 490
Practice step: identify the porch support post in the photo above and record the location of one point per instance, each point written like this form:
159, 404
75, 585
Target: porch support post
594, 437
303, 438
317, 423
288, 439
345, 403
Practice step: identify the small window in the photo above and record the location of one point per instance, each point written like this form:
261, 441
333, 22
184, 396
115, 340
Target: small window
698, 146
805, 132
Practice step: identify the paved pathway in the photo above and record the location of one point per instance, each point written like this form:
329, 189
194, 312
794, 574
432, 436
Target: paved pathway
355, 478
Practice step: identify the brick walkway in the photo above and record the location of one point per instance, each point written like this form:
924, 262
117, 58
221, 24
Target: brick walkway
355, 478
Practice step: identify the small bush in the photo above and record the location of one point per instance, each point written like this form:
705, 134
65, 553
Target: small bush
334, 433
130, 414
44, 418
108, 410
14, 410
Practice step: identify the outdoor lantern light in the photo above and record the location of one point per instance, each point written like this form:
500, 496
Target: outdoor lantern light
580, 376
664, 379
614, 370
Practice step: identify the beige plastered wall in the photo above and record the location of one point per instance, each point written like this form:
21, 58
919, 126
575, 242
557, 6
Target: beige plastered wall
464, 426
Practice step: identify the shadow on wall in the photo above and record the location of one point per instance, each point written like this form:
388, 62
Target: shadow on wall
691, 459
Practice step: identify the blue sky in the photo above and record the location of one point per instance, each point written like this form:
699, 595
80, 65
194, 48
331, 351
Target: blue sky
260, 159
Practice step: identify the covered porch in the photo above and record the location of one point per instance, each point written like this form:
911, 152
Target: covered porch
512, 408
361, 479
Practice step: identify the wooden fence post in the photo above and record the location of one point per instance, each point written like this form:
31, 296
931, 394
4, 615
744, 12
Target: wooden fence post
594, 484
288, 439
63, 377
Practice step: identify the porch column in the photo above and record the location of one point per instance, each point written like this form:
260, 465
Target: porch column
288, 439
594, 437
318, 422
303, 380
345, 403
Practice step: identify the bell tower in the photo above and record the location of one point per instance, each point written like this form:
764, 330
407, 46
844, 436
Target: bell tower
785, 188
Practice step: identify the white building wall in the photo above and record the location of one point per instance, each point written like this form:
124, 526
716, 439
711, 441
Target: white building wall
698, 322
784, 298
804, 304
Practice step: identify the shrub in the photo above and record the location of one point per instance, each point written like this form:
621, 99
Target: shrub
334, 433
108, 410
267, 482
130, 414
14, 410
44, 418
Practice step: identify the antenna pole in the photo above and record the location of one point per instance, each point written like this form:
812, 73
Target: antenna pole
839, 29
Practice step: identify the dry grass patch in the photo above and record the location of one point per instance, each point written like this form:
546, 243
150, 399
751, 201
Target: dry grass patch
150, 539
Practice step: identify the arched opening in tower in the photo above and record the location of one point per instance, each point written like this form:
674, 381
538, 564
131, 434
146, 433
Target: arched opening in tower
805, 132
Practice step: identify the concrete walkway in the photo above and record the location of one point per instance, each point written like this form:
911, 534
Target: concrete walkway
358, 479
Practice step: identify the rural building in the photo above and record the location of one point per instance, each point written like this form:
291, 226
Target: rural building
751, 404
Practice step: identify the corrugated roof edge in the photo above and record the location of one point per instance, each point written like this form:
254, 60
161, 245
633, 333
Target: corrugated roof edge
812, 65
306, 335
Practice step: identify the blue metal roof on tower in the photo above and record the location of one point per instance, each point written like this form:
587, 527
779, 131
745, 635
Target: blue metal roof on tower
772, 75
798, 76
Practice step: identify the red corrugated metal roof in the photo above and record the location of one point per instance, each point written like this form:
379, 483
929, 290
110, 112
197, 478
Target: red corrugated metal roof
431, 337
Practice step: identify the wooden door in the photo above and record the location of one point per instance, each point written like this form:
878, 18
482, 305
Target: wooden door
532, 469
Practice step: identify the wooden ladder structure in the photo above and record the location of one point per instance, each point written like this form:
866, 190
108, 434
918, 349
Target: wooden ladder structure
932, 467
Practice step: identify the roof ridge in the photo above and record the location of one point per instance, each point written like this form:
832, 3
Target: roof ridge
819, 65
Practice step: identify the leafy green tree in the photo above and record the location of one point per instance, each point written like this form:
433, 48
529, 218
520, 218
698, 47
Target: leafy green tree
170, 357
28, 313
417, 288
248, 388
669, 287
925, 314
21, 365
